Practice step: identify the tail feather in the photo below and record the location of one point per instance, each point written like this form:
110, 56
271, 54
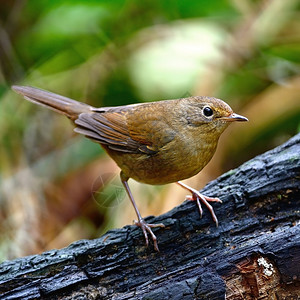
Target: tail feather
63, 105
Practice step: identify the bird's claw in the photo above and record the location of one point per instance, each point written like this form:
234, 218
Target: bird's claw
196, 196
146, 227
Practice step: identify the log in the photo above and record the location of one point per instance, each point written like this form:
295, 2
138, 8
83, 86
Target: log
253, 254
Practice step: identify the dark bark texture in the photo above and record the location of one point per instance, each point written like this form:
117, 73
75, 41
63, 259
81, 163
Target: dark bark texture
253, 254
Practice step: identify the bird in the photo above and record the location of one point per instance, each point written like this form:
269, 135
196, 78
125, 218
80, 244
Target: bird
154, 143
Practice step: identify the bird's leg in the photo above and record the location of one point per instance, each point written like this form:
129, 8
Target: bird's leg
196, 196
146, 227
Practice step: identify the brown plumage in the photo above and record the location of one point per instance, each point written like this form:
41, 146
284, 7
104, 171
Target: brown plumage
155, 143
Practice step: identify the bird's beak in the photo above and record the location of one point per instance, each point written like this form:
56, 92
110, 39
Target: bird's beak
234, 117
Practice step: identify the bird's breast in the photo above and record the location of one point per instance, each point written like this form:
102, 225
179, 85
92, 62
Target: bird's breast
180, 159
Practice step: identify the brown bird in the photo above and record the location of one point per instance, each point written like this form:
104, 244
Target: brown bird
155, 143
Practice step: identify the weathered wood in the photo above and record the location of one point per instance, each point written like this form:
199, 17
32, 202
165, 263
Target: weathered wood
254, 253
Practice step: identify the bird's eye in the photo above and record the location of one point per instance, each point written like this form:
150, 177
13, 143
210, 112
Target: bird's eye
207, 111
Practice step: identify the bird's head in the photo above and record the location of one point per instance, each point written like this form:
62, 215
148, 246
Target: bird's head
210, 115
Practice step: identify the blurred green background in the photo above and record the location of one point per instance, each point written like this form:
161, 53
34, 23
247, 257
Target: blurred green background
57, 187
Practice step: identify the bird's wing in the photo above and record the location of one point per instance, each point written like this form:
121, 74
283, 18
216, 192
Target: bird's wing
124, 129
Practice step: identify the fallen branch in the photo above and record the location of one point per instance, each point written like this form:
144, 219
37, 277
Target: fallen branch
255, 251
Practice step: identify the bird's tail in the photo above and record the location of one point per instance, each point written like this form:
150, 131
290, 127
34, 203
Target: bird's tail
63, 105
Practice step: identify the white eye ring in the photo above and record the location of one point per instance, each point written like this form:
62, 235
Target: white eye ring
207, 112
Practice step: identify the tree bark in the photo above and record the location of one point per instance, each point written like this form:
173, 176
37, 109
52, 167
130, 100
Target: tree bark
253, 254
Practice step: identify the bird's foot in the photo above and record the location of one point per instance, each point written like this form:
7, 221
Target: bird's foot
196, 196
146, 227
